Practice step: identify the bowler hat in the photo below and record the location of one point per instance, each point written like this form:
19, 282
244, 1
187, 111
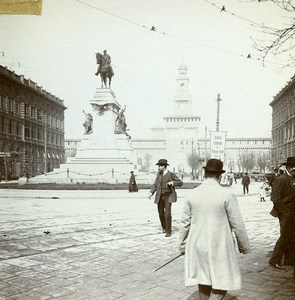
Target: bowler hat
290, 162
163, 162
214, 166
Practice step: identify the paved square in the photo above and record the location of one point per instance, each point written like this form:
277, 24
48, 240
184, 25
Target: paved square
106, 244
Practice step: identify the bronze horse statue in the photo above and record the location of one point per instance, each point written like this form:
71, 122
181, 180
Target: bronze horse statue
105, 70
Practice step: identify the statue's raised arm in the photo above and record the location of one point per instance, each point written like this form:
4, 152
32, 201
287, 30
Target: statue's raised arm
88, 123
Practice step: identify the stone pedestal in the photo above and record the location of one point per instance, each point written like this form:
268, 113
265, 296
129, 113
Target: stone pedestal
103, 149
103, 155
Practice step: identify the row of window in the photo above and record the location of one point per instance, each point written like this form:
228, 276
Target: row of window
26, 110
284, 134
73, 142
283, 109
15, 128
181, 119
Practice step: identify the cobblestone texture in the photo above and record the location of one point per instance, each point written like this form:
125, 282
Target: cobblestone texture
106, 244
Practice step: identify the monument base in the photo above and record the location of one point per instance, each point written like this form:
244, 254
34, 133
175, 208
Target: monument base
103, 155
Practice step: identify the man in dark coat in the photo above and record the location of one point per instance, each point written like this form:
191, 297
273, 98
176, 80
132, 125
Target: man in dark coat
245, 183
164, 187
132, 183
283, 198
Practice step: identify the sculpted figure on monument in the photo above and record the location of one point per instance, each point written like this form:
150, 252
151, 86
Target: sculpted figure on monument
121, 126
121, 121
104, 69
88, 123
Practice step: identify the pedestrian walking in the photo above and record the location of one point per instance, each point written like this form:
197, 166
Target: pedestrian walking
164, 187
245, 183
210, 217
132, 183
236, 176
264, 191
283, 198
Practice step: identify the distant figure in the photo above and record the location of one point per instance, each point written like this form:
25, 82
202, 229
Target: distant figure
132, 183
245, 183
88, 123
230, 178
104, 69
236, 177
264, 191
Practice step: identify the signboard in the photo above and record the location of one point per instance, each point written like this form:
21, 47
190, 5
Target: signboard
217, 144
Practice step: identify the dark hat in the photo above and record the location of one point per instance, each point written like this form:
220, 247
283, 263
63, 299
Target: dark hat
131, 172
163, 162
290, 162
214, 166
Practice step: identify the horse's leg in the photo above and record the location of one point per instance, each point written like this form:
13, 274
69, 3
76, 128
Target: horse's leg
105, 80
110, 80
101, 79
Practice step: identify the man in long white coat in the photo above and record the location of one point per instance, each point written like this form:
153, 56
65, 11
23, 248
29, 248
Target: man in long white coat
210, 217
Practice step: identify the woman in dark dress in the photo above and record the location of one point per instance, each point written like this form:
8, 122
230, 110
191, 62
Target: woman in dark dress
132, 183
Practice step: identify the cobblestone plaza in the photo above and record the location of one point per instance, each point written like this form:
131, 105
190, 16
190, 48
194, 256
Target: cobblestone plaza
106, 244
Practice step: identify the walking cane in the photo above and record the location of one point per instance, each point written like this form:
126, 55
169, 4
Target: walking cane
168, 262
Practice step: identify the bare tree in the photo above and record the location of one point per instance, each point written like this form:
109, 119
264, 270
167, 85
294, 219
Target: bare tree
263, 161
279, 41
247, 161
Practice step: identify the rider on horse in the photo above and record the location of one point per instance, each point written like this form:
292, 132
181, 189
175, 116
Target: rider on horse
104, 62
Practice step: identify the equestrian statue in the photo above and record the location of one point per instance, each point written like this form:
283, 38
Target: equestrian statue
104, 69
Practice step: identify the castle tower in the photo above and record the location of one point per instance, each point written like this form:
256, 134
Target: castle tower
182, 98
182, 126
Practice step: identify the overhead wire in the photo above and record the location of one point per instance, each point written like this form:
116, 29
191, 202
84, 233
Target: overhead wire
154, 29
250, 22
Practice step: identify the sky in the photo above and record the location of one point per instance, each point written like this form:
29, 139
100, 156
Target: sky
57, 51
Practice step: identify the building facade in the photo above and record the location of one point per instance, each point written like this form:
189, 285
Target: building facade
283, 124
31, 127
237, 150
